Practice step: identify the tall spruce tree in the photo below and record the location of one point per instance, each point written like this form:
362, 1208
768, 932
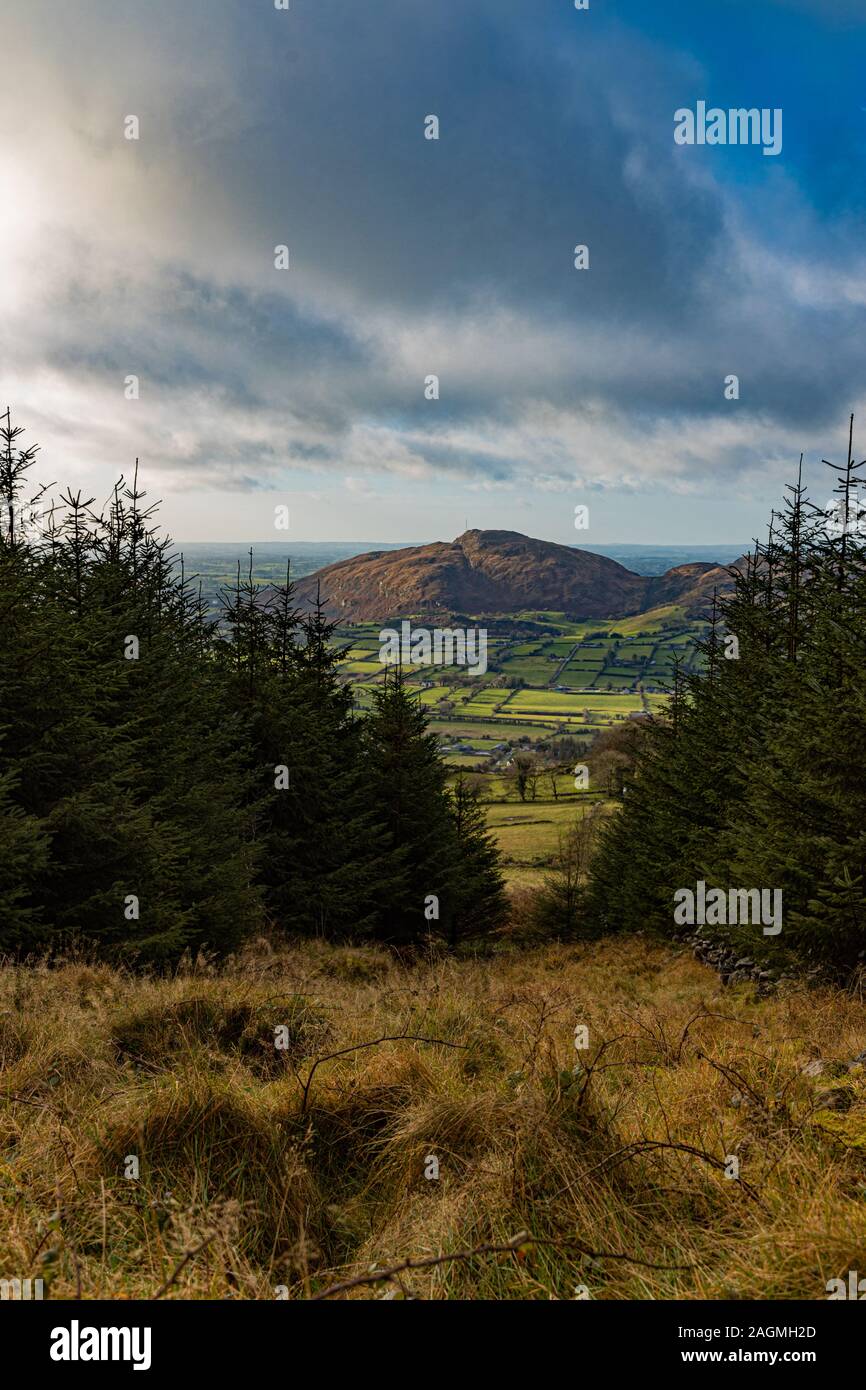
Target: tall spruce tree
322, 848
754, 780
407, 783
120, 751
480, 904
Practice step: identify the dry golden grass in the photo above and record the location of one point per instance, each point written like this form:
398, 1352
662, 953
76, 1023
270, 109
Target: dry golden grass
263, 1169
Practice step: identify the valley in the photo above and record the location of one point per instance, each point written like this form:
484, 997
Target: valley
555, 679
551, 688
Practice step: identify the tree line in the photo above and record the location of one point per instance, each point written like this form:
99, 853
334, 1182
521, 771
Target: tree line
171, 781
755, 777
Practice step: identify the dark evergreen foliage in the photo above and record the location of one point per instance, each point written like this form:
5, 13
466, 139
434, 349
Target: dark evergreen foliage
170, 783
480, 903
408, 779
755, 779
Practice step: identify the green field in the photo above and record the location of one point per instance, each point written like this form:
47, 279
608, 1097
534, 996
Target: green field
567, 680
529, 834
496, 732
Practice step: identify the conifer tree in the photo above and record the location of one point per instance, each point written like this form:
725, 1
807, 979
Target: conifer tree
755, 778
407, 784
480, 903
23, 859
170, 781
122, 754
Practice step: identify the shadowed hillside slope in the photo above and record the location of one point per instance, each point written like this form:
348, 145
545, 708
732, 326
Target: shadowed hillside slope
500, 572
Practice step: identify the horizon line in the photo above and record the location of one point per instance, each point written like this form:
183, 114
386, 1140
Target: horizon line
622, 545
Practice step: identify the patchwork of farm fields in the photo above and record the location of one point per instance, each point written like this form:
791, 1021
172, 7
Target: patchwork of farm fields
546, 677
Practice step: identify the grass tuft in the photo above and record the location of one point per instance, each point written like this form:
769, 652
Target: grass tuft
605, 1168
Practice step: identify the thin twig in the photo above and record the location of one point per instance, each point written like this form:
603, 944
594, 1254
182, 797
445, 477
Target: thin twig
513, 1247
181, 1265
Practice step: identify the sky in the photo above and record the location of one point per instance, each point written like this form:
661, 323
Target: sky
304, 388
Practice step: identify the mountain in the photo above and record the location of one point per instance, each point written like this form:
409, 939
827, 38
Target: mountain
487, 572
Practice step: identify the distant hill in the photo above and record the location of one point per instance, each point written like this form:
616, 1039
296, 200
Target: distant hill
501, 572
641, 559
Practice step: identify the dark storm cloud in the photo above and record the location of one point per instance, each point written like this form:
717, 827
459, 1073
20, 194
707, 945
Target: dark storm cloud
412, 257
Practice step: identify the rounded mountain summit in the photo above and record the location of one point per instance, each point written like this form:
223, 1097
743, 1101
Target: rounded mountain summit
490, 572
